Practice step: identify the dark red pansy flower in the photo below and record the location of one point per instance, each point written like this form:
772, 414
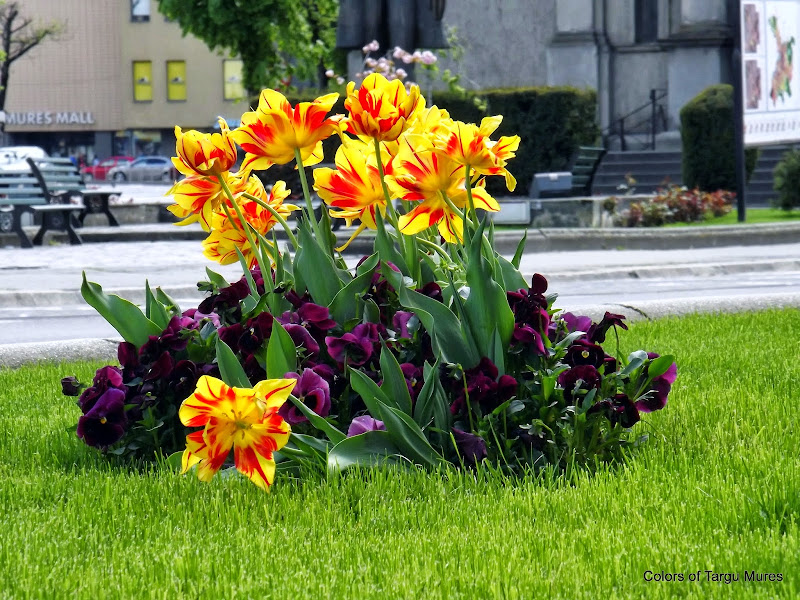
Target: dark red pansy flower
597, 332
471, 447
586, 374
582, 352
105, 378
104, 424
619, 410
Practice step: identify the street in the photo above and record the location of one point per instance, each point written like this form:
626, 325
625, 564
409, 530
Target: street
40, 301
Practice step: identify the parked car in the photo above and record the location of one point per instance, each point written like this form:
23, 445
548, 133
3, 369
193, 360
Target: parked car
144, 168
100, 171
12, 158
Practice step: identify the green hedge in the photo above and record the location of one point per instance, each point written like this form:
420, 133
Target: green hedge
551, 122
709, 161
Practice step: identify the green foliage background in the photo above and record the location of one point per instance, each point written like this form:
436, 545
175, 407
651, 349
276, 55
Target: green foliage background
276, 39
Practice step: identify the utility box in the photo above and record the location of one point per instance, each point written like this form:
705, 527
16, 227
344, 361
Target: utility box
551, 185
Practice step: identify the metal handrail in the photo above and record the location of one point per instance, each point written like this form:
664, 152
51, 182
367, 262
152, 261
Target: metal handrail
656, 111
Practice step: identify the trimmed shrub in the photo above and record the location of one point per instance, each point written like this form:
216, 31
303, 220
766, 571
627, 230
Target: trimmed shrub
787, 181
709, 161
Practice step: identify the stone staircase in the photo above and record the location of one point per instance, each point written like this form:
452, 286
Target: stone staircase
654, 168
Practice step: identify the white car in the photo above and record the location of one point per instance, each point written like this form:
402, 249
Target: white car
12, 158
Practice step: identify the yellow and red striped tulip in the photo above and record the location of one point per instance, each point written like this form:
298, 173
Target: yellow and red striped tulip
271, 134
422, 175
468, 144
205, 154
381, 109
244, 419
227, 233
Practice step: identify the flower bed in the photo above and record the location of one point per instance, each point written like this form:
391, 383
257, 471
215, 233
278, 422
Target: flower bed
433, 349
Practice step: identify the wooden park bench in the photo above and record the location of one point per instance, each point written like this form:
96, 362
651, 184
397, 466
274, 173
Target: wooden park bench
20, 193
60, 179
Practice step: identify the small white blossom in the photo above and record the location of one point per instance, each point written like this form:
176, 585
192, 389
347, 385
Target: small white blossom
373, 46
330, 74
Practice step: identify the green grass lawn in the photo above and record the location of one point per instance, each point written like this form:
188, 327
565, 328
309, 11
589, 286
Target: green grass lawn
717, 488
752, 216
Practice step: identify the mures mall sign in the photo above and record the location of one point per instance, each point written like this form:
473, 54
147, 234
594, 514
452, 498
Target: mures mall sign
46, 117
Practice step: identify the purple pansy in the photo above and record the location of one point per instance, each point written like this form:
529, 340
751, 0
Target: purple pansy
356, 347
583, 352
586, 374
313, 391
105, 378
104, 424
619, 410
597, 332
660, 388
471, 447
363, 424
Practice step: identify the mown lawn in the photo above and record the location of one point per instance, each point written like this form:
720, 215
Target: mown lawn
717, 489
751, 215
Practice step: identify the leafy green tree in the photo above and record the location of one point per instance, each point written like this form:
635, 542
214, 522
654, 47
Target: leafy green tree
277, 40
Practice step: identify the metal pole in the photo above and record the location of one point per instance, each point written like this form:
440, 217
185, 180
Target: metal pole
652, 119
734, 16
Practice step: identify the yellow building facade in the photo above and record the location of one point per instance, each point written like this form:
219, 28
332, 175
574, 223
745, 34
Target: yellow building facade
115, 81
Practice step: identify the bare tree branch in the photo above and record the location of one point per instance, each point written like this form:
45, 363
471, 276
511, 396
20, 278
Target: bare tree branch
18, 36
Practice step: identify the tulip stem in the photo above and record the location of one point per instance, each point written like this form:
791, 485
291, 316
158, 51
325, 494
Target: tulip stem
390, 212
309, 207
245, 225
470, 201
278, 216
436, 248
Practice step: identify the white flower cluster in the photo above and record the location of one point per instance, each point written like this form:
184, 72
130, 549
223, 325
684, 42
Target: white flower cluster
386, 65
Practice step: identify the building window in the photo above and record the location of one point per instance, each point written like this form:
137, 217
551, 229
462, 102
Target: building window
646, 17
142, 81
140, 11
232, 80
176, 80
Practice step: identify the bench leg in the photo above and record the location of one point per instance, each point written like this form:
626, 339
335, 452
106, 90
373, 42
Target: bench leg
16, 227
59, 220
112, 220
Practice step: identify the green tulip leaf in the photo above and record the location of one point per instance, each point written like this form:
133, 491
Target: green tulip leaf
321, 276
123, 315
404, 432
281, 353
394, 382
369, 449
439, 321
154, 310
334, 435
229, 367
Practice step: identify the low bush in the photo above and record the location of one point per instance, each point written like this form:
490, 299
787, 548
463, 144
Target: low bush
787, 181
677, 204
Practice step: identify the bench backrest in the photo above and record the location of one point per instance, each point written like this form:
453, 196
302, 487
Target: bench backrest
56, 174
21, 188
584, 166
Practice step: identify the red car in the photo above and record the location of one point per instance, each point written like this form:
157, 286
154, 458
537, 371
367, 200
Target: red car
99, 172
